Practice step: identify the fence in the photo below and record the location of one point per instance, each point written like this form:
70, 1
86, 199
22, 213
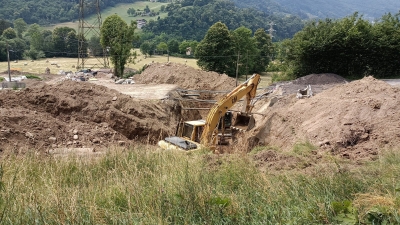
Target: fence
13, 85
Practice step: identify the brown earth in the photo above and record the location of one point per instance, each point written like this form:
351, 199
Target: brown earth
48, 116
351, 120
185, 77
354, 120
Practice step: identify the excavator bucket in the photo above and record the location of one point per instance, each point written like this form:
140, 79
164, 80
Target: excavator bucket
244, 122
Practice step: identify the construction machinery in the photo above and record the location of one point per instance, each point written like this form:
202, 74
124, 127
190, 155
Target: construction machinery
197, 134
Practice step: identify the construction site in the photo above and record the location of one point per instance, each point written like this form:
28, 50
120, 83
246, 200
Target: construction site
352, 120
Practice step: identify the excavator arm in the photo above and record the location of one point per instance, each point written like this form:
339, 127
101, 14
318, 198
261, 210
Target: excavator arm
248, 89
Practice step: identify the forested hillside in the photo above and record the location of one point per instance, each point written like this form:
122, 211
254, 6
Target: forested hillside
371, 9
193, 20
48, 11
268, 6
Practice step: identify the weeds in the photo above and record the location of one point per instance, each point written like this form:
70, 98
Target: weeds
145, 186
30, 76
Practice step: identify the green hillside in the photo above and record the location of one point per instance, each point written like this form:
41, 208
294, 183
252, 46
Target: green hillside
120, 10
341, 8
47, 12
191, 20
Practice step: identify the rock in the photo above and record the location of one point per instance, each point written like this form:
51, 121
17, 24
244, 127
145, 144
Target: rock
75, 131
54, 146
114, 98
96, 141
121, 143
53, 139
76, 137
7, 131
29, 135
69, 143
324, 142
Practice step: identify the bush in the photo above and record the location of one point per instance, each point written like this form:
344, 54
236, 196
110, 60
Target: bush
34, 54
30, 76
281, 76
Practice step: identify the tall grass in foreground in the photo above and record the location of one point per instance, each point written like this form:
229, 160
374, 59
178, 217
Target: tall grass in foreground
142, 186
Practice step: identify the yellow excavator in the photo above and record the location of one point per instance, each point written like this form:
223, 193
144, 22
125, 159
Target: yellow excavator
198, 134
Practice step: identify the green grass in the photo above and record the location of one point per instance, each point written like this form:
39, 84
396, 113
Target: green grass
147, 186
30, 76
69, 64
120, 10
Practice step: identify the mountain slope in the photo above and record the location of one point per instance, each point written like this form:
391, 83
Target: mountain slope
342, 8
192, 22
49, 11
326, 8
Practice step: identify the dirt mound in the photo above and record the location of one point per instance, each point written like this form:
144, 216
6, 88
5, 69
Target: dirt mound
323, 78
185, 77
80, 114
353, 120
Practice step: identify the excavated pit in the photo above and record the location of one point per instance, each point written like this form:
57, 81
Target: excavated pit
353, 120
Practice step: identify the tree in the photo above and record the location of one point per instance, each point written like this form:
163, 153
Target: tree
95, 47
147, 9
183, 47
48, 46
264, 48
9, 33
216, 51
62, 40
351, 47
162, 47
145, 48
72, 44
118, 36
33, 54
35, 36
4, 24
173, 46
131, 11
20, 26
245, 47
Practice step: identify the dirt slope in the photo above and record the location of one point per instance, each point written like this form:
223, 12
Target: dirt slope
185, 77
49, 116
354, 120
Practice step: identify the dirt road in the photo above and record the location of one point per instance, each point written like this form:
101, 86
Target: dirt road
140, 91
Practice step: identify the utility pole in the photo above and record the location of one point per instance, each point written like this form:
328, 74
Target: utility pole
89, 29
271, 29
8, 60
237, 68
247, 64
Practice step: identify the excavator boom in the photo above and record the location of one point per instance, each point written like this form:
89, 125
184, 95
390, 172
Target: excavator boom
189, 133
248, 89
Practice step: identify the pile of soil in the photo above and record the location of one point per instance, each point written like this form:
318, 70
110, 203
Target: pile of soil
318, 79
185, 77
189, 78
354, 120
318, 83
80, 114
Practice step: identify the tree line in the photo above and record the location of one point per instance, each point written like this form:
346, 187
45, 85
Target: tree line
352, 47
32, 41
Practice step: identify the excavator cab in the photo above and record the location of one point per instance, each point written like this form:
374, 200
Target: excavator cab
191, 130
